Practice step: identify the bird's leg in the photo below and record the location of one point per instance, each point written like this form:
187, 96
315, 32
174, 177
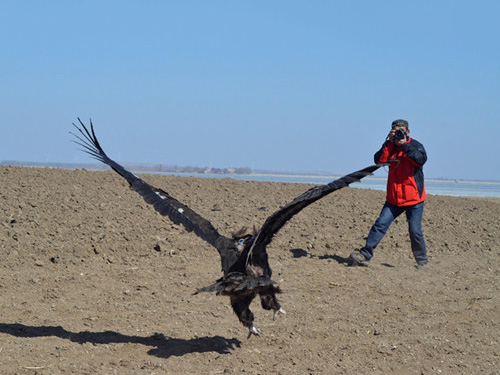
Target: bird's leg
240, 304
270, 302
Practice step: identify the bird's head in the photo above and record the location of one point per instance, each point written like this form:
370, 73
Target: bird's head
242, 242
242, 238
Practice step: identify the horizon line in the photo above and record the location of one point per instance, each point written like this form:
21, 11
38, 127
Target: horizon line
148, 167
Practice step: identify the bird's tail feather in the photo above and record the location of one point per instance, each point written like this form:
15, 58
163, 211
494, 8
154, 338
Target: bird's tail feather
240, 283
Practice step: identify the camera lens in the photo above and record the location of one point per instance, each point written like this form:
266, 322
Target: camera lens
400, 134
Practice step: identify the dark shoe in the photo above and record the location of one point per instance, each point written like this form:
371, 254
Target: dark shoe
358, 259
422, 266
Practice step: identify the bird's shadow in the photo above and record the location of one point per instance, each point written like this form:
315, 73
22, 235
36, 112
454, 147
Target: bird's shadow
163, 347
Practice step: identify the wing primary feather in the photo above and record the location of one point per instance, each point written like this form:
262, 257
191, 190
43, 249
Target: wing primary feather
162, 202
276, 221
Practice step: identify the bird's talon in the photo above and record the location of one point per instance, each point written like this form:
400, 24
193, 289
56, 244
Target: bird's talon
277, 312
254, 331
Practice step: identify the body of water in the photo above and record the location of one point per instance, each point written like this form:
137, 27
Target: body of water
435, 187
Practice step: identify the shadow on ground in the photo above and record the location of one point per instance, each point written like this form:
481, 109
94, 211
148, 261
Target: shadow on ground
165, 347
300, 253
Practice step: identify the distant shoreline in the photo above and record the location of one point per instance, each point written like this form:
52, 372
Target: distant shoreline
370, 177
138, 168
445, 187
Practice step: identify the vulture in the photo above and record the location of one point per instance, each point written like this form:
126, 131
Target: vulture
244, 260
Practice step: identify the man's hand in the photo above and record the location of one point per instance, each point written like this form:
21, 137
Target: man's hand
390, 136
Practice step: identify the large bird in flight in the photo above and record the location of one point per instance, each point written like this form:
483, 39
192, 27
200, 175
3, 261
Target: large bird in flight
244, 260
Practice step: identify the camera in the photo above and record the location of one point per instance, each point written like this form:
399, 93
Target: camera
400, 134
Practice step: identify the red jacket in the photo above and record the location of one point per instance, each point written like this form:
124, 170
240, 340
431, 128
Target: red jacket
405, 183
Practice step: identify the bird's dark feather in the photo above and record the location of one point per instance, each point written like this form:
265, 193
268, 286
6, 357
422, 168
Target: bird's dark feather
278, 219
162, 202
237, 282
246, 268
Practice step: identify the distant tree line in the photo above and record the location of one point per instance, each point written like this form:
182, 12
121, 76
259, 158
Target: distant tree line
205, 170
136, 167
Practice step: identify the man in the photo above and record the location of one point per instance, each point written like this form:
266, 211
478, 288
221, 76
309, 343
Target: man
405, 193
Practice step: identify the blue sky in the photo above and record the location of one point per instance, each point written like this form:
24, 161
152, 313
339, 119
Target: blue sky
278, 85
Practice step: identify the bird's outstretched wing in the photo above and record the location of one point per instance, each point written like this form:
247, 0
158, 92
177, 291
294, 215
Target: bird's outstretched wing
276, 221
162, 202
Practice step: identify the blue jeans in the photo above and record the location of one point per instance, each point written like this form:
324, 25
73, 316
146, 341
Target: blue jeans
387, 215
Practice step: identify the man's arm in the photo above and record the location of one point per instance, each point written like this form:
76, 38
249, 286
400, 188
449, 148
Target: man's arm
415, 151
383, 155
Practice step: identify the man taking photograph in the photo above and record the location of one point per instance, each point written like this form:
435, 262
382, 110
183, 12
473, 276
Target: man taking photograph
405, 193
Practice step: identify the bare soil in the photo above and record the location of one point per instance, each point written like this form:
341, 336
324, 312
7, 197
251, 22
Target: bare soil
94, 281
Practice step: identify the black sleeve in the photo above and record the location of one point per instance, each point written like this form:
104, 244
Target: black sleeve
378, 154
415, 151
